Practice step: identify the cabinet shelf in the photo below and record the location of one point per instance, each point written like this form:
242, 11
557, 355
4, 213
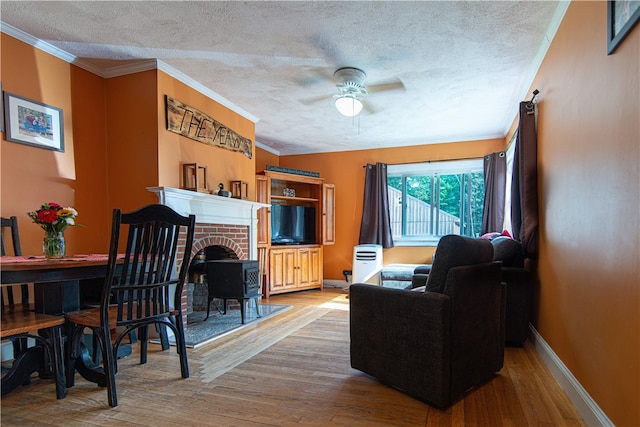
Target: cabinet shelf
294, 267
299, 199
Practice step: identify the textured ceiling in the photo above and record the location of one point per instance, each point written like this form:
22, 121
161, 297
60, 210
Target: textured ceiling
465, 65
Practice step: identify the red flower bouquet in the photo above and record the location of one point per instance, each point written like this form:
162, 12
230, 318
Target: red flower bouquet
54, 220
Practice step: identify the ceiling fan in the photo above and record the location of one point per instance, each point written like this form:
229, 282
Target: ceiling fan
352, 91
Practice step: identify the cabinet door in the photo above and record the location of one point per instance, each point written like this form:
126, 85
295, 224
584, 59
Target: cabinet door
328, 214
264, 221
315, 267
309, 267
282, 269
304, 267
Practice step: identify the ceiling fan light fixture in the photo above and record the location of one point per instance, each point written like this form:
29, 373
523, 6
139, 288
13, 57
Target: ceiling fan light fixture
348, 106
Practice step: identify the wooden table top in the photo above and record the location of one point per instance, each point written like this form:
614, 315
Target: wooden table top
39, 269
40, 262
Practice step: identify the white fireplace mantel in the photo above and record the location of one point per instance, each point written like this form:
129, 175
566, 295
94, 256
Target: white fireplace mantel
213, 209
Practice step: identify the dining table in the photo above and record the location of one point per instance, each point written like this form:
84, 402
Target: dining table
58, 286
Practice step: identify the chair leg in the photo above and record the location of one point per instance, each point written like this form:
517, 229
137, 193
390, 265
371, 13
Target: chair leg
96, 356
19, 346
48, 367
58, 352
181, 347
73, 335
143, 339
164, 338
109, 366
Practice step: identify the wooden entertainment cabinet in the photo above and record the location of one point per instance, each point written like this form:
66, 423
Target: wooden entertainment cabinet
294, 267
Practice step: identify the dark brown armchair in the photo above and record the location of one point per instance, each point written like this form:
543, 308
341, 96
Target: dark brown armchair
435, 344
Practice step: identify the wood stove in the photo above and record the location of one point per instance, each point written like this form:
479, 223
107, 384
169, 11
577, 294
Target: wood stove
234, 279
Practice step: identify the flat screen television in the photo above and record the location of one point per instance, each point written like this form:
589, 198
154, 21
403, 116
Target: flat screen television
293, 225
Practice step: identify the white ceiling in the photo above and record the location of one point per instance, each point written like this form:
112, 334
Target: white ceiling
465, 65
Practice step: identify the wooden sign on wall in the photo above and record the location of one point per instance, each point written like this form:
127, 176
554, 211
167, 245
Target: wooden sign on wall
194, 124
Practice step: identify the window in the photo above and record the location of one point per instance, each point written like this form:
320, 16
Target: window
507, 192
430, 200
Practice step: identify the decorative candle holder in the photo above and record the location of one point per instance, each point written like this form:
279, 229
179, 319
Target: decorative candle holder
194, 177
240, 190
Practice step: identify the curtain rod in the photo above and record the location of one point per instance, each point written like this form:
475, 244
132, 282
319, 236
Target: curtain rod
529, 104
433, 161
533, 98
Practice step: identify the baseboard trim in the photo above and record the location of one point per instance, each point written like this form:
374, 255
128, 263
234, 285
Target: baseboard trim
586, 407
328, 283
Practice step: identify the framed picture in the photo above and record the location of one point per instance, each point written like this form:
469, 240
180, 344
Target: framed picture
33, 123
622, 16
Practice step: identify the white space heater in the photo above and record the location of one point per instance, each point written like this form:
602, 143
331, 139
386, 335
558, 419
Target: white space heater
367, 262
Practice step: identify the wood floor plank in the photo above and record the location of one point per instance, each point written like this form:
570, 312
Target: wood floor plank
289, 370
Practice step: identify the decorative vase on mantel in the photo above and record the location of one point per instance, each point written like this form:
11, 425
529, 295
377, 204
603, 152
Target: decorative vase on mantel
53, 245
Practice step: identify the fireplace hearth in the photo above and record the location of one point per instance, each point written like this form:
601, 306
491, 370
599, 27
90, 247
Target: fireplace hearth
223, 222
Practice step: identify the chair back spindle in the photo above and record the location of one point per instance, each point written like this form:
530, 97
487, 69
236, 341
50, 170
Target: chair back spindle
143, 287
11, 225
138, 292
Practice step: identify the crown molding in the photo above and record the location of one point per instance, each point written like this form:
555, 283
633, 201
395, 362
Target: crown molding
266, 148
549, 34
178, 75
122, 70
40, 44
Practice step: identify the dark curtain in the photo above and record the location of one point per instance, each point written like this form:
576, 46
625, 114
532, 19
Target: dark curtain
375, 227
524, 187
495, 183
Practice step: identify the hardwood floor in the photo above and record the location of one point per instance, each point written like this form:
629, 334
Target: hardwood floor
292, 369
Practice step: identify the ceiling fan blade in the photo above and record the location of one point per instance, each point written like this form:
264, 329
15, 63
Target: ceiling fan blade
387, 86
313, 100
317, 75
368, 107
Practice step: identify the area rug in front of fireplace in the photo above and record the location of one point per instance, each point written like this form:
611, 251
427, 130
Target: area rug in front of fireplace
200, 332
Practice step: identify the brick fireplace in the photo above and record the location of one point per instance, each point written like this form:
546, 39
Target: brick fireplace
220, 221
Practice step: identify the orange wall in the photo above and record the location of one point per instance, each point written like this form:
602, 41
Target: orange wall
223, 166
31, 176
345, 170
264, 158
132, 135
589, 152
116, 145
90, 146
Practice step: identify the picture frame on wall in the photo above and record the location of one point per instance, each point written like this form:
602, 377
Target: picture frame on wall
622, 17
33, 123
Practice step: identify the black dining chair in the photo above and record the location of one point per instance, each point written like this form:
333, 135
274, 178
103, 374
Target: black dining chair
139, 293
10, 225
19, 322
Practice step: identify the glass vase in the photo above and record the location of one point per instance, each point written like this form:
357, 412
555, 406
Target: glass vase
53, 245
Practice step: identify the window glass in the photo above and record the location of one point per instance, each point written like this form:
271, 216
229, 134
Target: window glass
430, 200
507, 194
